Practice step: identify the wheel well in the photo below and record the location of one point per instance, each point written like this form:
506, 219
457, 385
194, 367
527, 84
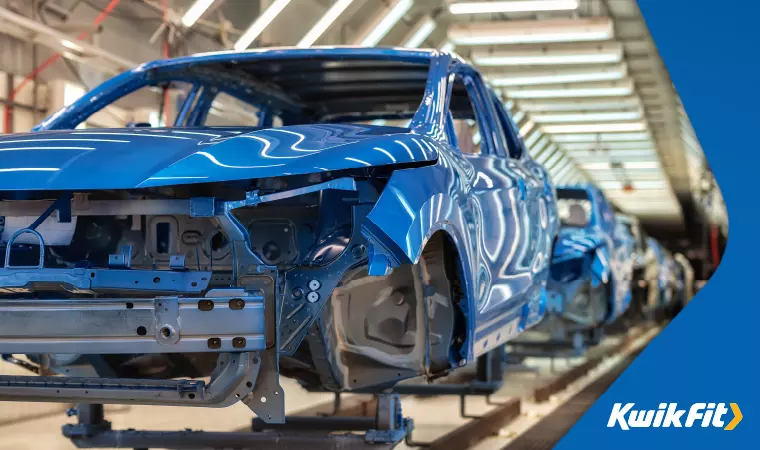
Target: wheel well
441, 241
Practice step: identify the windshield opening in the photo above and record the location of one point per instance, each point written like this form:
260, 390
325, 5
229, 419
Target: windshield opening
574, 207
263, 94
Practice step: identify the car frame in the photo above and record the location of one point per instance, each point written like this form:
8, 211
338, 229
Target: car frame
475, 236
592, 264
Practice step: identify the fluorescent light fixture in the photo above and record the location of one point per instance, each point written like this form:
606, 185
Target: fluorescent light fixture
557, 76
195, 12
628, 155
531, 140
261, 22
71, 46
525, 129
563, 163
587, 117
376, 30
420, 32
631, 175
563, 173
595, 128
631, 165
636, 185
581, 104
324, 23
553, 160
596, 166
601, 89
448, 46
512, 6
611, 146
644, 165
541, 158
532, 31
603, 137
606, 52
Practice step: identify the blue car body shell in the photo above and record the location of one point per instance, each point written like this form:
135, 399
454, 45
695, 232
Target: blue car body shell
598, 253
499, 211
665, 274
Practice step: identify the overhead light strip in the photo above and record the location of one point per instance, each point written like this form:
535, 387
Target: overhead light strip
260, 24
512, 6
611, 146
603, 137
532, 31
420, 33
604, 89
587, 117
393, 15
594, 128
580, 104
616, 72
324, 23
195, 12
607, 52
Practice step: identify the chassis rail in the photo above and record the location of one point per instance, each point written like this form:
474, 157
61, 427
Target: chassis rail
225, 320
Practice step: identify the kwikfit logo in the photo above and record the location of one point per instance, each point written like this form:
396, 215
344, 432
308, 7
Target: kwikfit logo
669, 415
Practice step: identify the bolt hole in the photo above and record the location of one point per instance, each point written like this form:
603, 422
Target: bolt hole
192, 396
166, 332
92, 274
141, 331
130, 305
237, 395
249, 384
193, 284
157, 280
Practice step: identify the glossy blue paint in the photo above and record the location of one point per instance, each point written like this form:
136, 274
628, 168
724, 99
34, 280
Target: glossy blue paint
666, 276
598, 252
147, 157
498, 208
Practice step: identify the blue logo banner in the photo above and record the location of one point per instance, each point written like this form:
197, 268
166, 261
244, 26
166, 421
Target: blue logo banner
705, 363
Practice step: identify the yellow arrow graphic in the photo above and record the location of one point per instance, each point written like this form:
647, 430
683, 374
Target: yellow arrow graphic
737, 417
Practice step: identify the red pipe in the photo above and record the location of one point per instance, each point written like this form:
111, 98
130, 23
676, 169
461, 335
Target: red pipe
714, 234
37, 70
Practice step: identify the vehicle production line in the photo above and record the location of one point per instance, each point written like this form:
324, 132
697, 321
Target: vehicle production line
274, 200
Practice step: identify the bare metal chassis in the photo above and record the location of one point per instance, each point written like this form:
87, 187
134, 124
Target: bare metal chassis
240, 323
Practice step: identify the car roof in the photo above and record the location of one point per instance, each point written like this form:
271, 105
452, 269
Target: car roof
337, 53
319, 81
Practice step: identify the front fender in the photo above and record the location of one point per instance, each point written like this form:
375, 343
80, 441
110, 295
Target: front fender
415, 204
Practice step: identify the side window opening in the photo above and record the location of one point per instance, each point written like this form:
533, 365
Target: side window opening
227, 110
510, 130
464, 118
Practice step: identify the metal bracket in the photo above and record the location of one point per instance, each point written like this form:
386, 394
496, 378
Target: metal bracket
299, 310
232, 379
